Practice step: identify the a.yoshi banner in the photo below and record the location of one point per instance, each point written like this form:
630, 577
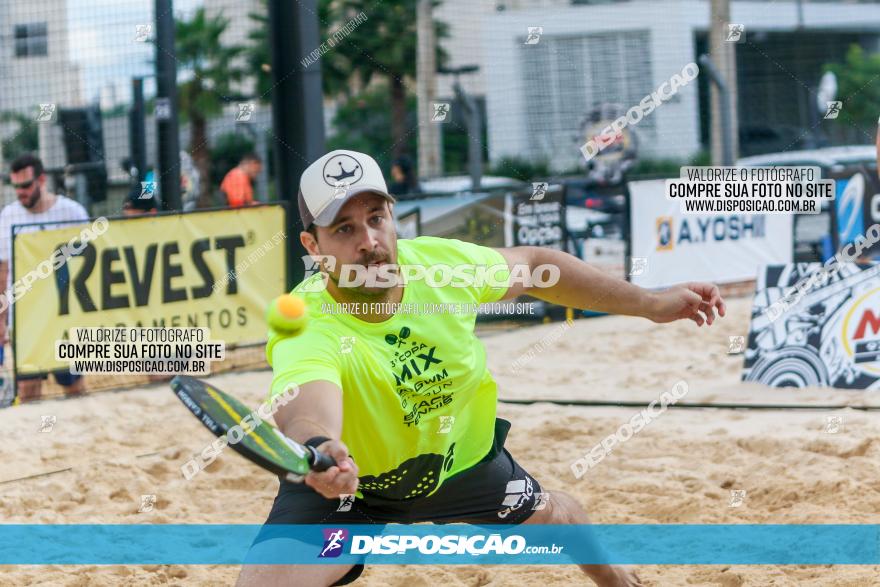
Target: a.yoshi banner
723, 248
216, 269
827, 334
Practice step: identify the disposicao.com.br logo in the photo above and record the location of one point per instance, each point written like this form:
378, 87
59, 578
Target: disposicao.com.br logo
475, 545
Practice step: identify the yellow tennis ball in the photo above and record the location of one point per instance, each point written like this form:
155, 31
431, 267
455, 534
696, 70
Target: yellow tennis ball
287, 314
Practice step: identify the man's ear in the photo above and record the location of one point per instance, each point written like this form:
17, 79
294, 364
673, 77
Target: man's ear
309, 243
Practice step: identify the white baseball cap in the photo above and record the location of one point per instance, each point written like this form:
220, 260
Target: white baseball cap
328, 183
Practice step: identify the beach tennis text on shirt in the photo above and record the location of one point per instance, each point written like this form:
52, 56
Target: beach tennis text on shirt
160, 351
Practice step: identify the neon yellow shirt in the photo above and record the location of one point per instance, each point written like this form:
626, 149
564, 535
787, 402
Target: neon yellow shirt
418, 400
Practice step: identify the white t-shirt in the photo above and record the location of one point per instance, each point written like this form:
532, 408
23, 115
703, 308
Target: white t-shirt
63, 210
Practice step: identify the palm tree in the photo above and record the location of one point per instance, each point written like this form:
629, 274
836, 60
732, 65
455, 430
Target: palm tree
213, 72
334, 76
258, 54
385, 46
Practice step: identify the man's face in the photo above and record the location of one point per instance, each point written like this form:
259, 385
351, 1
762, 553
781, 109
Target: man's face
253, 169
28, 188
363, 235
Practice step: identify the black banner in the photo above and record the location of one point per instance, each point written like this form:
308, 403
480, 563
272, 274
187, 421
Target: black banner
539, 217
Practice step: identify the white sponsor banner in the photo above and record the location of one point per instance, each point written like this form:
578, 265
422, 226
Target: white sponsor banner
717, 247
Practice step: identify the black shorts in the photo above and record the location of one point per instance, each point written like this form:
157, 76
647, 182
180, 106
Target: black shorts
494, 491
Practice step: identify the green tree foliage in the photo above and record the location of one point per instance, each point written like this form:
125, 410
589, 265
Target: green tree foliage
24, 139
521, 169
857, 86
384, 46
258, 52
362, 123
334, 76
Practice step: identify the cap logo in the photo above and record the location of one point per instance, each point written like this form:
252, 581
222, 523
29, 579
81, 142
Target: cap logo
343, 169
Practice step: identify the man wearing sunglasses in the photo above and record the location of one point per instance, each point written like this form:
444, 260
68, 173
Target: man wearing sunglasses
33, 204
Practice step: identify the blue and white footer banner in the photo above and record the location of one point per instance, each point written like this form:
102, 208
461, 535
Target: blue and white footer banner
664, 544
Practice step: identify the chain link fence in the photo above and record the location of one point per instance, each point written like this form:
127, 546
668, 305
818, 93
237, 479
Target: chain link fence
489, 91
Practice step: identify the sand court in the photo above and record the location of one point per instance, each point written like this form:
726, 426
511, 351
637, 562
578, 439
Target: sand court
107, 450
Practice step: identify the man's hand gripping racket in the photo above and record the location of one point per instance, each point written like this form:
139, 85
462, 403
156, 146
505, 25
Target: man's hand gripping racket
265, 445
330, 474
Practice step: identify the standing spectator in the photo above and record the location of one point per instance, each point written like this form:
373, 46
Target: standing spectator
238, 185
404, 178
34, 204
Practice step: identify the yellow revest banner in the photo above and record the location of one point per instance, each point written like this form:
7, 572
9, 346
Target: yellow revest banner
217, 269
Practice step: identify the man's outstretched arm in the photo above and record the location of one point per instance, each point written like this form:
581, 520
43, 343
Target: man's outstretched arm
317, 411
584, 287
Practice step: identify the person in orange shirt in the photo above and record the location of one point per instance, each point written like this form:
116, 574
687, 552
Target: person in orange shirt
238, 185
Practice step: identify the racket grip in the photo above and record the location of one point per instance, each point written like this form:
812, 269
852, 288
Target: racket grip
318, 461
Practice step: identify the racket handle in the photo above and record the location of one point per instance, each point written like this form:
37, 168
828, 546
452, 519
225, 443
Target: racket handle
318, 461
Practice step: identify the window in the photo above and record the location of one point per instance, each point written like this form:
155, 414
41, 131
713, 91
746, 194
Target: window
31, 40
565, 77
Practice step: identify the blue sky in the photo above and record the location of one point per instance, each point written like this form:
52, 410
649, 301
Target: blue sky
102, 42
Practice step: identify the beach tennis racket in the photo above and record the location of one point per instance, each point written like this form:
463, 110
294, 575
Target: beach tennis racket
265, 445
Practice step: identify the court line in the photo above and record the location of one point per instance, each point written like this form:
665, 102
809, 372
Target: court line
699, 406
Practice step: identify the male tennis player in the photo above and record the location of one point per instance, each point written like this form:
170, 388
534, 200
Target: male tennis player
403, 401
